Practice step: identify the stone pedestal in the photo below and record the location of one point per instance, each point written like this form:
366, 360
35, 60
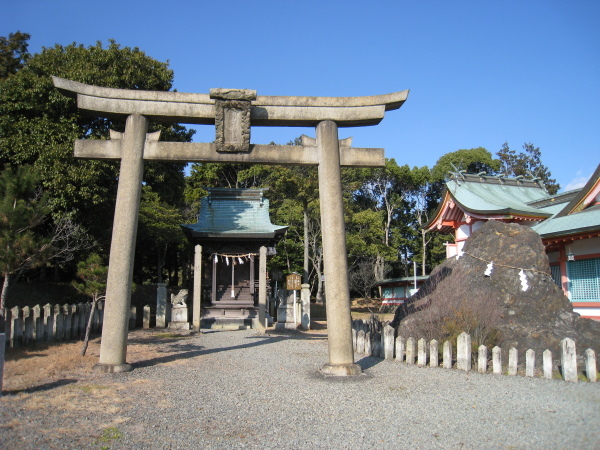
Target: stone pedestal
305, 311
161, 305
285, 312
179, 318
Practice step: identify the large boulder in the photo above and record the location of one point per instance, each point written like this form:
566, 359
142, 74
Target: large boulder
495, 309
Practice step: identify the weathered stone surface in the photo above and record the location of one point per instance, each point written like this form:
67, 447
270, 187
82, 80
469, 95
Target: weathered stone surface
482, 353
538, 318
497, 360
400, 349
433, 353
447, 356
182, 107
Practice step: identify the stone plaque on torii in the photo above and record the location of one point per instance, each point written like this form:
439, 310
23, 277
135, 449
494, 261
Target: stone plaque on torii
232, 111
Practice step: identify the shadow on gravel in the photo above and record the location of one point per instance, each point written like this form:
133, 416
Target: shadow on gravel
293, 334
368, 361
42, 387
193, 350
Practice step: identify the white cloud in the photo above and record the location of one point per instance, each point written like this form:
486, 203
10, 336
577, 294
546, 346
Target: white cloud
577, 182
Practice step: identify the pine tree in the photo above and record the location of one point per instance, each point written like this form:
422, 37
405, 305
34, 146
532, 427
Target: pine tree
93, 275
23, 209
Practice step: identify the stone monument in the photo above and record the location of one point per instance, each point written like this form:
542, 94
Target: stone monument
179, 311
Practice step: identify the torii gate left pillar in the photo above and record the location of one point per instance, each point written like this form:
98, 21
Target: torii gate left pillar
231, 111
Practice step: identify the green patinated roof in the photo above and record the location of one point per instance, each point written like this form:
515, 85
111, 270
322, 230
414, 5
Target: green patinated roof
581, 222
493, 196
234, 214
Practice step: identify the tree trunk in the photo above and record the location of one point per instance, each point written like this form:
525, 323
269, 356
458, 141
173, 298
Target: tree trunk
306, 267
5, 287
88, 328
424, 242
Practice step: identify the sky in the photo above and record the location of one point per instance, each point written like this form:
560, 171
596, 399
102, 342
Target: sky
480, 73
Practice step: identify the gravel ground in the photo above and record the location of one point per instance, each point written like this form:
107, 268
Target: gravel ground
240, 389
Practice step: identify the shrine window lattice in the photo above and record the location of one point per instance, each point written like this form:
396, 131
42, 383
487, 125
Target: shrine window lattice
584, 276
555, 271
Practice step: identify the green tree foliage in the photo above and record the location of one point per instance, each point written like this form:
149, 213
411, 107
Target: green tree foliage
38, 125
159, 233
526, 163
474, 160
23, 209
13, 53
92, 275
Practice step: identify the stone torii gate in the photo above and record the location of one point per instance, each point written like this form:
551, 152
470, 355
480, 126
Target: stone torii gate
232, 111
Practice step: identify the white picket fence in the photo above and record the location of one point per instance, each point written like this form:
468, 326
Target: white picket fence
33, 325
54, 323
371, 338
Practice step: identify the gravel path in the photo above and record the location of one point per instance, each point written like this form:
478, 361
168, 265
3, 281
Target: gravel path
240, 389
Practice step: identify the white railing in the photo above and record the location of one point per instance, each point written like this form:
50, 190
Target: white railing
372, 338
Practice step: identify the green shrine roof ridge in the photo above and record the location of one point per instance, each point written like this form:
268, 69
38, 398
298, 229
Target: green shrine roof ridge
498, 198
234, 214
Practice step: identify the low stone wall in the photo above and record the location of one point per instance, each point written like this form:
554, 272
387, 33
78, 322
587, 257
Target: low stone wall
373, 338
55, 323
49, 323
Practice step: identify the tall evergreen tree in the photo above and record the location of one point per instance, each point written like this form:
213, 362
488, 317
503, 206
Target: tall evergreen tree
527, 163
38, 125
22, 210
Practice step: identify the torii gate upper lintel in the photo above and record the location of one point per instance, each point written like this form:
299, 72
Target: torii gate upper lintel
232, 111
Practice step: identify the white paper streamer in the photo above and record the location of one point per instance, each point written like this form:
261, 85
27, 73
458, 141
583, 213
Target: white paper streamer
523, 277
488, 271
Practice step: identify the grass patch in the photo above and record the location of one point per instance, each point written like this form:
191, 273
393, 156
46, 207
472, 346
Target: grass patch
92, 387
108, 435
170, 336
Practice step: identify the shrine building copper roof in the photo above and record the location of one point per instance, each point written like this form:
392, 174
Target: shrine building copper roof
234, 214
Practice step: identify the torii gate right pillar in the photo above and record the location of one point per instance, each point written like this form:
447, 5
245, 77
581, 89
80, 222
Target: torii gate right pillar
335, 262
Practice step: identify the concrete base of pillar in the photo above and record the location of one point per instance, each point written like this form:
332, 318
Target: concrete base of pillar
341, 370
286, 326
179, 326
113, 368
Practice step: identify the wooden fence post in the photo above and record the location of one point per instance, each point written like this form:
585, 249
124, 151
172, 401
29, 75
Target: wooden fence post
530, 363
147, 317
497, 360
410, 351
38, 331
422, 353
447, 355
388, 342
513, 360
400, 349
2, 349
547, 362
66, 322
463, 353
360, 342
48, 321
590, 365
27, 327
568, 360
368, 344
482, 354
433, 353
16, 329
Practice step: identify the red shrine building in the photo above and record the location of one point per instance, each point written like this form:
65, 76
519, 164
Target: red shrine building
568, 223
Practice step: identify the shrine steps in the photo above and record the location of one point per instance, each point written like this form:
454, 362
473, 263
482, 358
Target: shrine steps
229, 317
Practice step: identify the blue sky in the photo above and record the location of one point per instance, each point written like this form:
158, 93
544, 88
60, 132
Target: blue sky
479, 72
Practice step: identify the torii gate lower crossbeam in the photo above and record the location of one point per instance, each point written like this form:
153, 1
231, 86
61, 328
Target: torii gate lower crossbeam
231, 111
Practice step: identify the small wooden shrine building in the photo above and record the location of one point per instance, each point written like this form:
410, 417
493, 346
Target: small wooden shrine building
233, 225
